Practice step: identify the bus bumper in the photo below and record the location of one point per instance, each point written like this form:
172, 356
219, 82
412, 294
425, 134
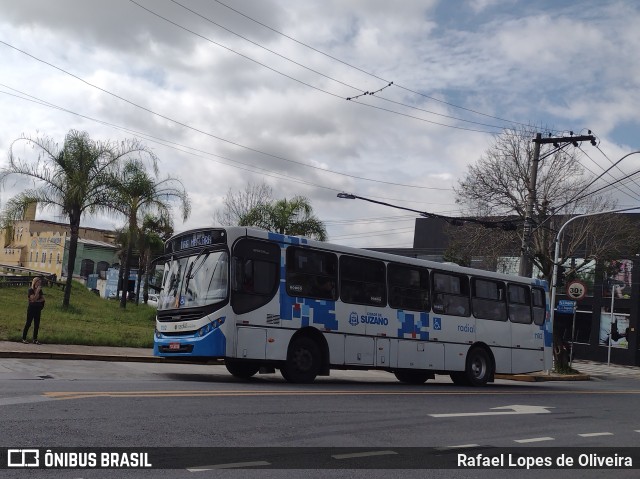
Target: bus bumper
211, 345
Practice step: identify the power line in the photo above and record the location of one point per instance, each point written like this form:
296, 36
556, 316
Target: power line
374, 233
630, 193
368, 105
177, 146
577, 196
505, 224
185, 125
366, 93
611, 161
366, 72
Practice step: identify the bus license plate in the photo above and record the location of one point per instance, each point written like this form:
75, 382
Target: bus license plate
174, 345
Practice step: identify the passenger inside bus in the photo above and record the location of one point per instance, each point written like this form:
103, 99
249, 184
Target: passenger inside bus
324, 288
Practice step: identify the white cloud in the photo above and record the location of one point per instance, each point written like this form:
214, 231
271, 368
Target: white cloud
570, 66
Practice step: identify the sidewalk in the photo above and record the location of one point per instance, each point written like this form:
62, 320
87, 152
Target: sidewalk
10, 349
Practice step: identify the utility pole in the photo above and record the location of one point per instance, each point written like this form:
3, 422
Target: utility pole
526, 263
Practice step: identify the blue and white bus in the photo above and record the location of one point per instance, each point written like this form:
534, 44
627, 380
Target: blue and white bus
263, 301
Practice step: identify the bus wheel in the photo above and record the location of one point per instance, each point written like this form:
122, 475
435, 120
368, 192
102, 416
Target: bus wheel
479, 367
241, 369
412, 377
303, 361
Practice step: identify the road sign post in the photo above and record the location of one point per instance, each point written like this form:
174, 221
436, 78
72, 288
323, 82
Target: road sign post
568, 306
576, 290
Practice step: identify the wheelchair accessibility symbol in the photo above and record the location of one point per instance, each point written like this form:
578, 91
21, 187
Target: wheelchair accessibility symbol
437, 324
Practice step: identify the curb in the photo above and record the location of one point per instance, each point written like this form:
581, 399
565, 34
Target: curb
99, 357
539, 377
532, 378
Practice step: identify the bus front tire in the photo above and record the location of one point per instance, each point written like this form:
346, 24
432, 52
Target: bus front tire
412, 377
303, 361
241, 369
479, 368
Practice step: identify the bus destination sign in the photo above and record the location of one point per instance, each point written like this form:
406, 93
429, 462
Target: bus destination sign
197, 239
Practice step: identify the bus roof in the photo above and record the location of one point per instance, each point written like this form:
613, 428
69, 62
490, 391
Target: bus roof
236, 232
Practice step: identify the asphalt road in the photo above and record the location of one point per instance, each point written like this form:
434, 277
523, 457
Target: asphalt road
73, 404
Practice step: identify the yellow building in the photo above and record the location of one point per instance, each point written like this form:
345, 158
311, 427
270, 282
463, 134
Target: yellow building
41, 245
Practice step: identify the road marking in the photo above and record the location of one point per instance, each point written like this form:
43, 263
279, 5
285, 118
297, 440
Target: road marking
596, 434
10, 401
363, 454
65, 395
232, 465
515, 409
533, 439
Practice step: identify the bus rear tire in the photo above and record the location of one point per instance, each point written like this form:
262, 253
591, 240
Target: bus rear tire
303, 361
479, 367
241, 369
412, 377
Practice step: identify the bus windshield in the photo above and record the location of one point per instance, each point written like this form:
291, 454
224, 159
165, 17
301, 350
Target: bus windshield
193, 281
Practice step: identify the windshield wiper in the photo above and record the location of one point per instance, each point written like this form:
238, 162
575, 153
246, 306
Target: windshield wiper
190, 273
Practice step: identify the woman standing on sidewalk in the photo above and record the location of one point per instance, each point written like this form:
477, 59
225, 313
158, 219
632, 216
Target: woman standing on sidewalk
34, 308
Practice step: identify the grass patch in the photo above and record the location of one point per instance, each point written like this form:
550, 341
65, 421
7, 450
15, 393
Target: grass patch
89, 320
565, 370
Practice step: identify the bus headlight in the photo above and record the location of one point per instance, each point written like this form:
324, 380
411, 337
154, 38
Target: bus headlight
157, 333
207, 328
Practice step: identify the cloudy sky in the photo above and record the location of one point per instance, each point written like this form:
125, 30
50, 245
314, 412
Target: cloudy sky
244, 91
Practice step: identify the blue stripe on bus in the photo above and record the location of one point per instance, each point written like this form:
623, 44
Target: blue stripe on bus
296, 240
306, 310
213, 344
413, 325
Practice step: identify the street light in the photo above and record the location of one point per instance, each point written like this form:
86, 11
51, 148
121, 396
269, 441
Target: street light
554, 276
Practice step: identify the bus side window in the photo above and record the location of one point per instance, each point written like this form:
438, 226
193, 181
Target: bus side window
362, 281
539, 306
408, 287
451, 294
489, 299
254, 274
519, 304
311, 273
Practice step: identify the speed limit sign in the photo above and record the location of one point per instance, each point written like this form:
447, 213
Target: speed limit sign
576, 290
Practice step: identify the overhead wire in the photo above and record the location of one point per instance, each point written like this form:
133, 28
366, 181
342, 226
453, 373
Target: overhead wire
211, 135
174, 145
321, 90
179, 147
611, 161
366, 93
630, 193
410, 90
374, 233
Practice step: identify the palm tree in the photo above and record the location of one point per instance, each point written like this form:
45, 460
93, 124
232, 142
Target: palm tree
74, 179
154, 232
290, 217
136, 192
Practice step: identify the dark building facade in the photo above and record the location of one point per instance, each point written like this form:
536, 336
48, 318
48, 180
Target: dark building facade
595, 333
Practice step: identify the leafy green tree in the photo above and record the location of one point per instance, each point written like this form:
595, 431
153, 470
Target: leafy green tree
290, 217
136, 192
74, 179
